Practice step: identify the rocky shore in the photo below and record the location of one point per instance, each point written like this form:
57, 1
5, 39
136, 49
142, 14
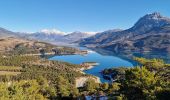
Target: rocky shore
88, 65
80, 81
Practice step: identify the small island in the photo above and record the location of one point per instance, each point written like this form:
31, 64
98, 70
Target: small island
91, 63
88, 65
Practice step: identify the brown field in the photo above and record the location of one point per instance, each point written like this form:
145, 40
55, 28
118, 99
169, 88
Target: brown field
10, 70
9, 73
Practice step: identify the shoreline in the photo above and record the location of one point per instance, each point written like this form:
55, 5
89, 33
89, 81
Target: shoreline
80, 81
81, 52
87, 68
88, 65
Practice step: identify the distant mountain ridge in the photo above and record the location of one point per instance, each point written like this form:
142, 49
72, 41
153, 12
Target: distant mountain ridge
50, 36
6, 33
150, 33
126, 40
58, 38
42, 36
76, 36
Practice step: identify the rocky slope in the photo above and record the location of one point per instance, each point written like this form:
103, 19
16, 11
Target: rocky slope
150, 33
6, 33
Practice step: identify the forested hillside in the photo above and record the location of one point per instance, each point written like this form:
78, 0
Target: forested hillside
38, 78
59, 77
18, 46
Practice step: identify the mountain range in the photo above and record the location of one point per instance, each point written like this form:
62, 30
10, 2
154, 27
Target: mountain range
6, 33
50, 36
150, 33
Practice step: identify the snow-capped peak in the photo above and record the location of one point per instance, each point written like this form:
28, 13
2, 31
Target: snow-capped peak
90, 33
52, 31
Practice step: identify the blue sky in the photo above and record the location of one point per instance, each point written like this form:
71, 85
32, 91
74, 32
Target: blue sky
76, 15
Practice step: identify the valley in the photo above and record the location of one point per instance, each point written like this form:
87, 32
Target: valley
114, 64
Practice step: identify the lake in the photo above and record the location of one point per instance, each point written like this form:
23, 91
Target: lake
107, 59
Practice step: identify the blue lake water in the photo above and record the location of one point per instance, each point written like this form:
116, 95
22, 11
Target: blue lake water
104, 62
107, 60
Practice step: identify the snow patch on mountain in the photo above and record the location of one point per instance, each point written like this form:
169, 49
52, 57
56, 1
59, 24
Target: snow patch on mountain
52, 31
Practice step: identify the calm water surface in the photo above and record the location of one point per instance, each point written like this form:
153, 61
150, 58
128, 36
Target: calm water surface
105, 60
